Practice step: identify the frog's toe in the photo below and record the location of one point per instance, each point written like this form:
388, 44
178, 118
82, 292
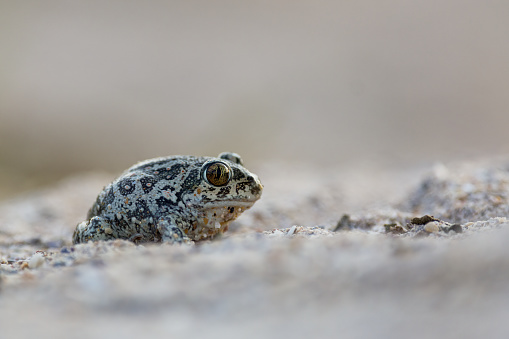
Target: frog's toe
96, 228
172, 234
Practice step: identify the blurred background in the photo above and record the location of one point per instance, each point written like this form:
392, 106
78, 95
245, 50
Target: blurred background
95, 85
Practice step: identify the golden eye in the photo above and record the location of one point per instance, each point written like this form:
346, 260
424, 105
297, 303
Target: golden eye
217, 173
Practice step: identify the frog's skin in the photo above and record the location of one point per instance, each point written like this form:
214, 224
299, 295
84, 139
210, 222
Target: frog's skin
172, 199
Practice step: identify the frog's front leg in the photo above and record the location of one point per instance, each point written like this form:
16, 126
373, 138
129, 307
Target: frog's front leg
97, 228
171, 230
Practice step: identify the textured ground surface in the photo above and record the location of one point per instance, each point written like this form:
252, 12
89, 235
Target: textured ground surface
336, 253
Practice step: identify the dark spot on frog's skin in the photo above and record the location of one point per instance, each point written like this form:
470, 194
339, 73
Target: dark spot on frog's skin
147, 183
168, 188
232, 209
237, 174
190, 183
165, 173
163, 203
142, 211
126, 186
241, 186
223, 192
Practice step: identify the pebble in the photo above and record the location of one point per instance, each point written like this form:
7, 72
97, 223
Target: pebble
431, 227
291, 231
36, 260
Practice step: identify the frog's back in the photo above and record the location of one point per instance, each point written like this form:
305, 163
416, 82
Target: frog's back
163, 164
149, 178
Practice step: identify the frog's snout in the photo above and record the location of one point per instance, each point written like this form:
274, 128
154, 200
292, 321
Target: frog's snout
256, 185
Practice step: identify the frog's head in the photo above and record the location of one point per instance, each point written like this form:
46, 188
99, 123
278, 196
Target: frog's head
224, 190
226, 182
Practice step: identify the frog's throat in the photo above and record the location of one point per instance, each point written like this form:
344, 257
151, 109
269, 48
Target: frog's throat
213, 217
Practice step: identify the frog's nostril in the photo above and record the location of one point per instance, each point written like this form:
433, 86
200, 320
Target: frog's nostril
255, 183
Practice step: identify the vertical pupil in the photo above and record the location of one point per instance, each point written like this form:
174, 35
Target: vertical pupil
219, 172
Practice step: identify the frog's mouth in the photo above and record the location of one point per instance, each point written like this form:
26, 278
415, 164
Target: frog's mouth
230, 203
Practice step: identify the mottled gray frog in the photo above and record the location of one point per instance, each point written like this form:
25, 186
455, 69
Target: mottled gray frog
176, 199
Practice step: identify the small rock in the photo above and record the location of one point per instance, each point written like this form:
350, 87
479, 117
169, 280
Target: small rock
345, 223
456, 228
291, 231
36, 260
431, 227
423, 220
395, 229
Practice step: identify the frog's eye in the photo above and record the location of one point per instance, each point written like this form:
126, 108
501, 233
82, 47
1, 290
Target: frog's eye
217, 173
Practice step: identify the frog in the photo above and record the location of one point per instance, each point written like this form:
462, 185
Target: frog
173, 200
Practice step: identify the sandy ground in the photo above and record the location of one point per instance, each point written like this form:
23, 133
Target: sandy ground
286, 268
